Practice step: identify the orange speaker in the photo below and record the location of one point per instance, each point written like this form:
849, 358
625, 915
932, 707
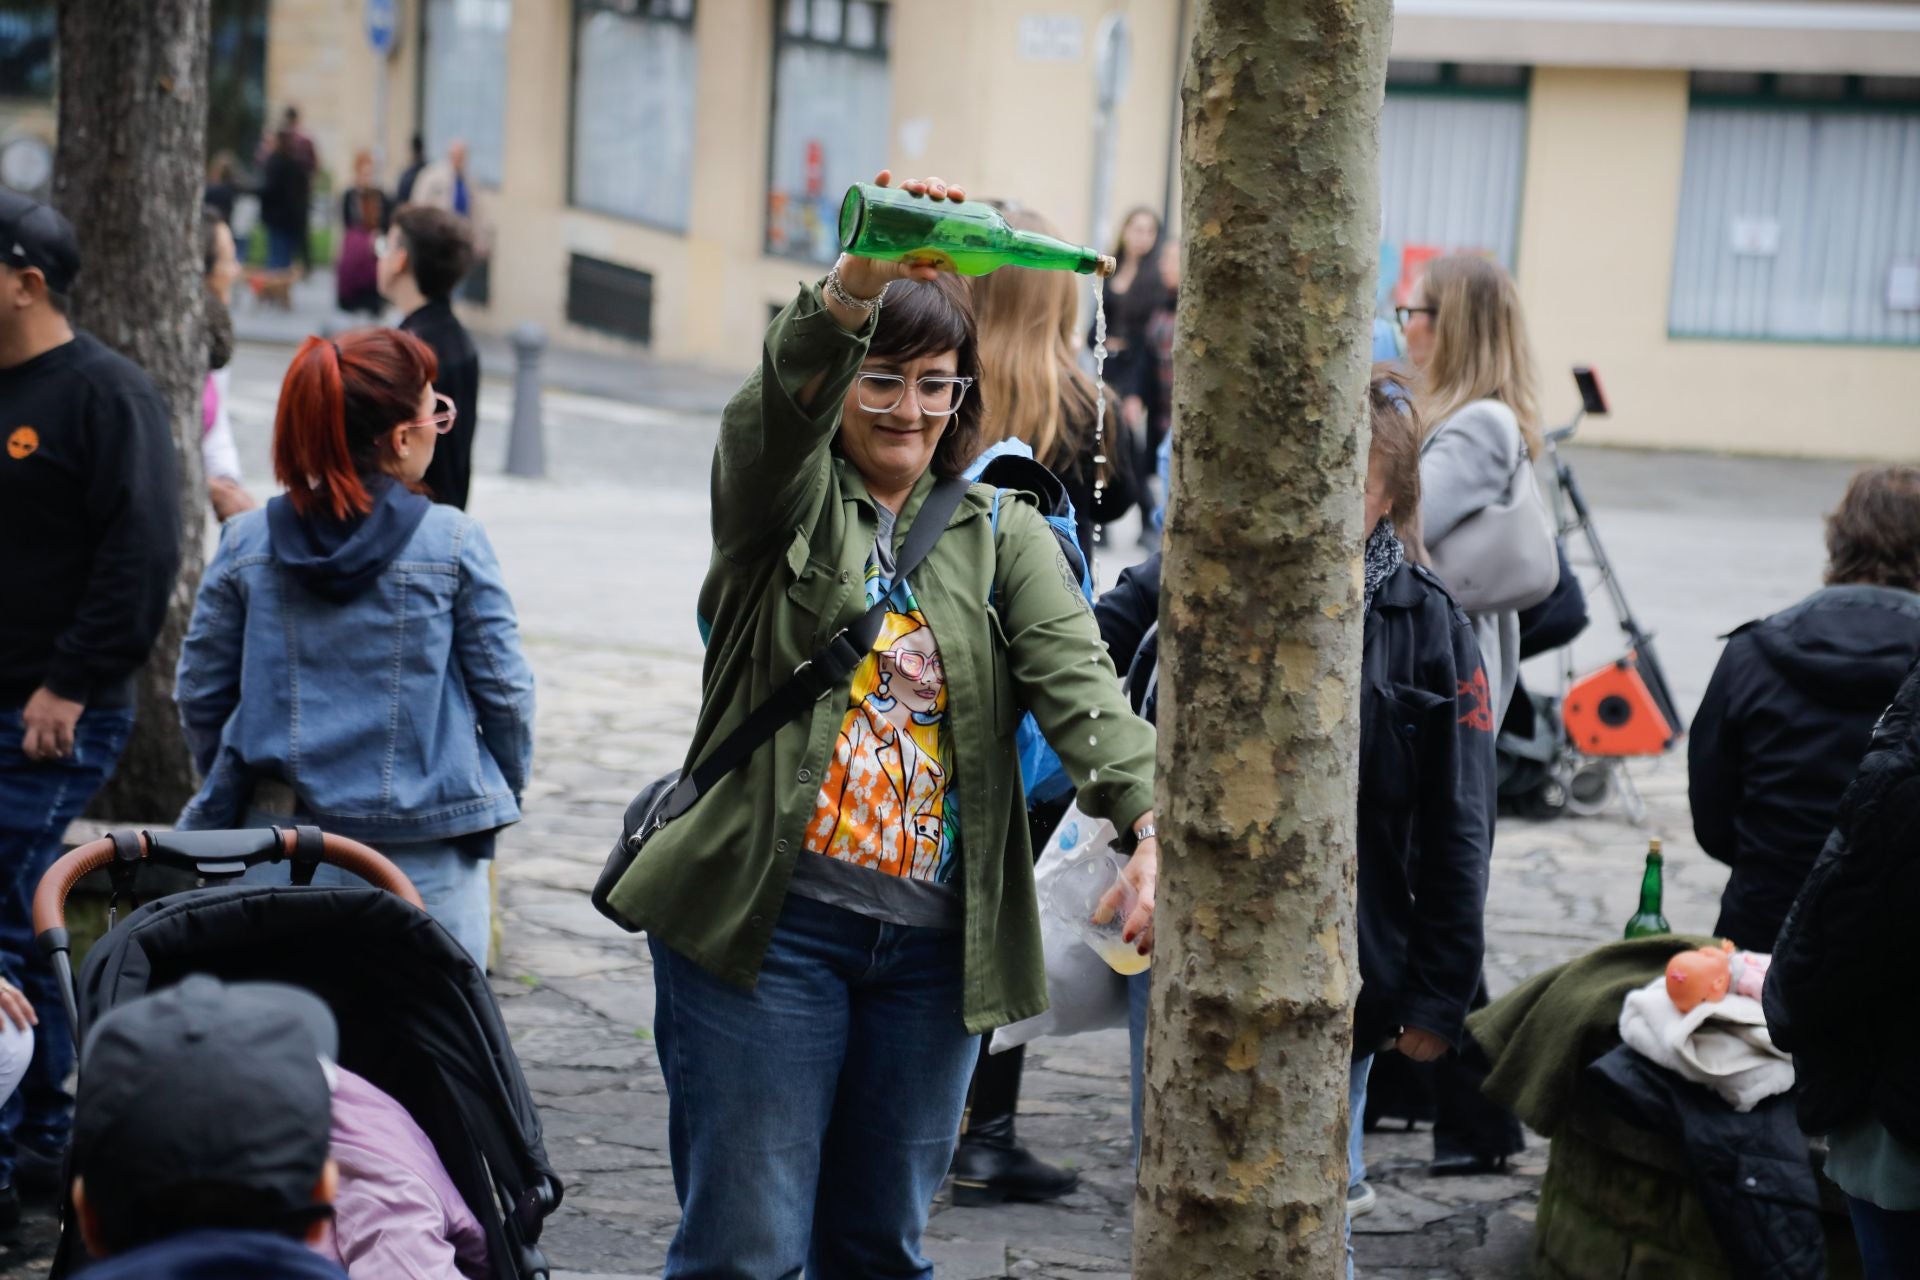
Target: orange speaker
1613, 713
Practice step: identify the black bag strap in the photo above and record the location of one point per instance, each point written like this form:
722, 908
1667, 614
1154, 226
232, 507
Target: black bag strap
824, 672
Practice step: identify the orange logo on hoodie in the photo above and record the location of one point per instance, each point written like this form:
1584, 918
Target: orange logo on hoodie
22, 442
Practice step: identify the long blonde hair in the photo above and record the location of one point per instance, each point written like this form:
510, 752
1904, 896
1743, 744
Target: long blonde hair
1480, 347
1028, 373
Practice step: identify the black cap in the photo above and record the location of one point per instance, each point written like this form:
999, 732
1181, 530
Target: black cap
206, 1083
36, 235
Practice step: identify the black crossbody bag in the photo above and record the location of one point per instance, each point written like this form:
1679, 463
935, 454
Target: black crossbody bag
666, 798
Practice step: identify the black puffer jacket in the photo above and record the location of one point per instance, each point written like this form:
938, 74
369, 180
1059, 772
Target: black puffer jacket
1426, 793
1780, 732
1846, 946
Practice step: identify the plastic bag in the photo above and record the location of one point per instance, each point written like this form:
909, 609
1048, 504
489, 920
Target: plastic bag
1083, 993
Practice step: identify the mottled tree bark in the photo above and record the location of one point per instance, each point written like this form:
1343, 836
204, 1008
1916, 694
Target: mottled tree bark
129, 174
1243, 1168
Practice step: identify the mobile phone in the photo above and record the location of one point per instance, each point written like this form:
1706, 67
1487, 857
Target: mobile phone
1592, 399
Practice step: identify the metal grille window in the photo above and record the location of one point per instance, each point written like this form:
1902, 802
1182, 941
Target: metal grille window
463, 81
1453, 142
1800, 210
832, 107
633, 94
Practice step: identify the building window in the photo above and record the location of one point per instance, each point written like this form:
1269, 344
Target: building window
463, 81
1800, 210
26, 49
1453, 140
832, 104
610, 298
633, 82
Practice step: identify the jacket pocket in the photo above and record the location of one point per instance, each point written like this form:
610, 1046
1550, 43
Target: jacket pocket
1398, 729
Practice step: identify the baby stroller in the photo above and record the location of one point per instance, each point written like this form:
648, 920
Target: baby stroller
1568, 753
415, 1014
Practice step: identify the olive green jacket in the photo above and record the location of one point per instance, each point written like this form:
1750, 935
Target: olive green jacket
793, 526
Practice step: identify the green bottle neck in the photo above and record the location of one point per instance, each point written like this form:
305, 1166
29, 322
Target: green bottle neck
1045, 251
1650, 888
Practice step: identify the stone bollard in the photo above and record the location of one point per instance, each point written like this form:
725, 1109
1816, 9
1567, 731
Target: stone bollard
526, 439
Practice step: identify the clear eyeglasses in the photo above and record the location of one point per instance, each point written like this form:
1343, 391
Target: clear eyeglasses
938, 396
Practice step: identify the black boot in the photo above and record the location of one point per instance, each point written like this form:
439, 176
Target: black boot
991, 1167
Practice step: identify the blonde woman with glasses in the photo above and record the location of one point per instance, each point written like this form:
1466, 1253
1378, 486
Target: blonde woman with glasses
1475, 391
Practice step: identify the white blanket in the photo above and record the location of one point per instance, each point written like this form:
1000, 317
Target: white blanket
1723, 1045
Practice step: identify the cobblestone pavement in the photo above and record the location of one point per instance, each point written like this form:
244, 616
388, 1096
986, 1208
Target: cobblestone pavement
604, 561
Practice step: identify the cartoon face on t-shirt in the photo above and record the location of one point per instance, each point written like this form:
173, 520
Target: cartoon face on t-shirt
884, 802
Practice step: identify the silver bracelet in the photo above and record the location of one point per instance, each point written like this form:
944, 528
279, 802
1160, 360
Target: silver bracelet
832, 287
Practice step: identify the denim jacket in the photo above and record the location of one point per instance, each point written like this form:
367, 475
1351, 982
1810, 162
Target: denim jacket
403, 714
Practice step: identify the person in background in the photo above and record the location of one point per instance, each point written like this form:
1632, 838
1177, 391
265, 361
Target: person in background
1160, 337
89, 507
365, 211
223, 186
1478, 398
287, 718
1426, 799
285, 186
1040, 396
1475, 392
421, 263
219, 456
1131, 296
201, 1135
825, 955
417, 153
1856, 1065
446, 184
1791, 705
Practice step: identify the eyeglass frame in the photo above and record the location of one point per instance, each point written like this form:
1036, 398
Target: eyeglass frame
925, 661
441, 420
961, 382
1403, 314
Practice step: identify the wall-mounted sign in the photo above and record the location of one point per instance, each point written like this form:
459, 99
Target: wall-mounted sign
1052, 37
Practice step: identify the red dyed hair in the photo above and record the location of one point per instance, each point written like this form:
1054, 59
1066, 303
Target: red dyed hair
339, 399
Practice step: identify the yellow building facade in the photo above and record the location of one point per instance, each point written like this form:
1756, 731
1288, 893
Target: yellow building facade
1622, 157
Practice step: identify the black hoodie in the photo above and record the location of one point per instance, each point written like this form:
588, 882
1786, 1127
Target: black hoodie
1780, 733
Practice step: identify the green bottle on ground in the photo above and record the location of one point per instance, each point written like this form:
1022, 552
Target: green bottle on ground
970, 238
1648, 920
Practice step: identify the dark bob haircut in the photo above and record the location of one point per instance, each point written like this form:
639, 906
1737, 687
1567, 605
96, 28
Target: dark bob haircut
1874, 537
925, 318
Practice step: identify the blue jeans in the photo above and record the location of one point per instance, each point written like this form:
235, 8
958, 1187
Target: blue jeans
1889, 1241
452, 884
811, 1120
1137, 988
282, 247
37, 801
1356, 1131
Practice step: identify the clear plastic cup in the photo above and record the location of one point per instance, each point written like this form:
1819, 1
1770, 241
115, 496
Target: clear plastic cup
1074, 896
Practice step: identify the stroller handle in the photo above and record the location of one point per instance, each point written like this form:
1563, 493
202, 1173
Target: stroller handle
237, 848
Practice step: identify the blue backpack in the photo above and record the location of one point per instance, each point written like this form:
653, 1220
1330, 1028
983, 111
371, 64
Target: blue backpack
1010, 465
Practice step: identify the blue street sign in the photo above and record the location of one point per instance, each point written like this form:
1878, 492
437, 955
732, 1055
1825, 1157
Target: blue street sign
380, 25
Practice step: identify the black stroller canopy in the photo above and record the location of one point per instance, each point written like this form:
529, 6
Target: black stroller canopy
416, 1018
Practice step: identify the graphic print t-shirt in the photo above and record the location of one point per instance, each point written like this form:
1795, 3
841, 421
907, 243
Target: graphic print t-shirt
884, 805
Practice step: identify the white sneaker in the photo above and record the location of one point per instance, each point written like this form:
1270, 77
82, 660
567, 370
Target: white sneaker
1360, 1200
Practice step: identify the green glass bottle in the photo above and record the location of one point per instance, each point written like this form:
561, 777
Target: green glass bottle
971, 238
1648, 920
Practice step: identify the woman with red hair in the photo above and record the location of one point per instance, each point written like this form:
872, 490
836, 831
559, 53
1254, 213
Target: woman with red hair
353, 660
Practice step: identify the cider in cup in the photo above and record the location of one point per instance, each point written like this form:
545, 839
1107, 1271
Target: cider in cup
1074, 896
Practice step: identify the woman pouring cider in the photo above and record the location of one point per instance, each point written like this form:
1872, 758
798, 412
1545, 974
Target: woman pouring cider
834, 927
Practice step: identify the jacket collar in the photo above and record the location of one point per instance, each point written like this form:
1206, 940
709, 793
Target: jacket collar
854, 487
1401, 591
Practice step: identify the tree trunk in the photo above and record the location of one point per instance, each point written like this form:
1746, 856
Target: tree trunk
129, 174
1243, 1167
